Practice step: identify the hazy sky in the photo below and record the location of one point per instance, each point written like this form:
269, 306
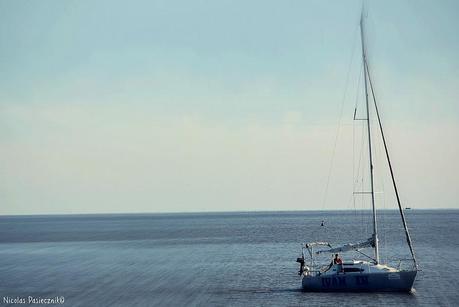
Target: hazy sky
155, 106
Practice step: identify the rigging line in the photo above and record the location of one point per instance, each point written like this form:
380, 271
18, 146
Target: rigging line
360, 183
378, 161
353, 126
353, 147
339, 121
353, 139
359, 163
402, 215
353, 158
362, 253
358, 89
360, 158
384, 225
356, 180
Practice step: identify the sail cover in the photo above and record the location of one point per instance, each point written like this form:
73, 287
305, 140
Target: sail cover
349, 247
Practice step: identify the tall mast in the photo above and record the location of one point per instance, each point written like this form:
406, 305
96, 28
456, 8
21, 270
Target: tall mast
375, 227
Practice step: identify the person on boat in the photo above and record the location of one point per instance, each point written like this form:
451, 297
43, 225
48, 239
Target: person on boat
337, 260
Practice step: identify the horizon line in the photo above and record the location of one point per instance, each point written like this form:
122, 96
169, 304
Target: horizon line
214, 212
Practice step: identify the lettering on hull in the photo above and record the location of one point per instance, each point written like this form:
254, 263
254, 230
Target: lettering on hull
333, 282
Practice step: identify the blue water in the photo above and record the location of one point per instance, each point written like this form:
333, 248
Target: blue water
236, 259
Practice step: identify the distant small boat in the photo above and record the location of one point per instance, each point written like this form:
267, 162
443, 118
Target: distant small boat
359, 275
408, 208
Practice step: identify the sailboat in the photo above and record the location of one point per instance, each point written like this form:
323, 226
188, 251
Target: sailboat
360, 275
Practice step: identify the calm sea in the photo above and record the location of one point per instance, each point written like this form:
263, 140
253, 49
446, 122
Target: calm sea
234, 259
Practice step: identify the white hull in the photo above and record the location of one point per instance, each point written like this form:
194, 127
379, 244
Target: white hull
359, 276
